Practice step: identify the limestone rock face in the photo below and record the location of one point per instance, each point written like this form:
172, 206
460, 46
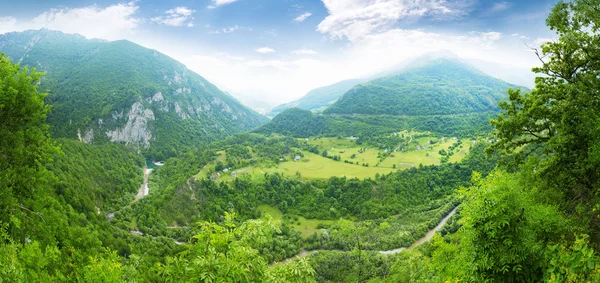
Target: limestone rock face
136, 129
88, 136
147, 99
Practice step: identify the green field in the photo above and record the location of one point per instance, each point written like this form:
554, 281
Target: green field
305, 226
364, 161
271, 210
315, 166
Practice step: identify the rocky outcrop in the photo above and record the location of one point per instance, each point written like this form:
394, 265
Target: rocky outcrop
180, 111
136, 129
88, 136
156, 97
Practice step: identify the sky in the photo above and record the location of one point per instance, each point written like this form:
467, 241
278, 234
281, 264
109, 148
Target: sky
275, 51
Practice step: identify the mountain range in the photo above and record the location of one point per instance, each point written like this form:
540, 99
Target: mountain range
438, 86
438, 93
118, 91
319, 98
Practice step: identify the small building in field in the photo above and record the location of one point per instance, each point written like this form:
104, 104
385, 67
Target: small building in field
297, 158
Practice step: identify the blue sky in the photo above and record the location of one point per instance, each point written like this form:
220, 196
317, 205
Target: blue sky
277, 50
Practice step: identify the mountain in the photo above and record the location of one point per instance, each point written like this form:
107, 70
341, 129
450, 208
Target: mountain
103, 91
438, 86
319, 98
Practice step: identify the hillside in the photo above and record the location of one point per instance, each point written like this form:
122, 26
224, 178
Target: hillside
319, 98
439, 86
303, 123
119, 91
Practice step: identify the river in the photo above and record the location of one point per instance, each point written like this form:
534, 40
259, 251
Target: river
420, 241
144, 189
425, 238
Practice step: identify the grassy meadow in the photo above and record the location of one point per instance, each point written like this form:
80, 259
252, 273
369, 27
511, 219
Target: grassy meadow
305, 226
355, 161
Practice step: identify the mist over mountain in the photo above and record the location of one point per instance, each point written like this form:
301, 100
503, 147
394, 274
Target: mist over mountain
319, 98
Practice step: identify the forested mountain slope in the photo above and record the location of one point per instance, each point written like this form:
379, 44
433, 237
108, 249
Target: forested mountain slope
122, 92
438, 86
302, 123
319, 98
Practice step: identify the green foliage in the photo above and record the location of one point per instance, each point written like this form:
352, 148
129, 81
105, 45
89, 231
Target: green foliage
355, 266
104, 176
561, 114
575, 263
96, 84
25, 145
229, 253
505, 229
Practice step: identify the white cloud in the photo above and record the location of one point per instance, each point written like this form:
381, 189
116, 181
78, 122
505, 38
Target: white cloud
231, 29
176, 17
354, 19
7, 24
111, 22
519, 36
288, 77
217, 3
304, 51
302, 17
499, 7
489, 36
265, 50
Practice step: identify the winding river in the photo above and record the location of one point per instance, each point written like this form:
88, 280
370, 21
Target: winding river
424, 239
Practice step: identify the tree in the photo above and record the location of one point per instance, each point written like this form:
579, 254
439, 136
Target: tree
561, 115
505, 229
24, 143
229, 253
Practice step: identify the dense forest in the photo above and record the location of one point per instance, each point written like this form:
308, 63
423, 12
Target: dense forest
302, 123
521, 206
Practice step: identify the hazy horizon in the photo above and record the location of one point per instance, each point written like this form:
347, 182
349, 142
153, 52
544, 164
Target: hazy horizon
273, 52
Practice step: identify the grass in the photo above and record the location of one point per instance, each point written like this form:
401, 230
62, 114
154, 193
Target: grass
305, 226
271, 210
309, 226
315, 166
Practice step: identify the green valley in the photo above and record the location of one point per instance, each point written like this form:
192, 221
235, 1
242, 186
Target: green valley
120, 164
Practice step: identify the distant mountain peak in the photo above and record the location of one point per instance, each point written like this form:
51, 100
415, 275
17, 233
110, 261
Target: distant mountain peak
433, 84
